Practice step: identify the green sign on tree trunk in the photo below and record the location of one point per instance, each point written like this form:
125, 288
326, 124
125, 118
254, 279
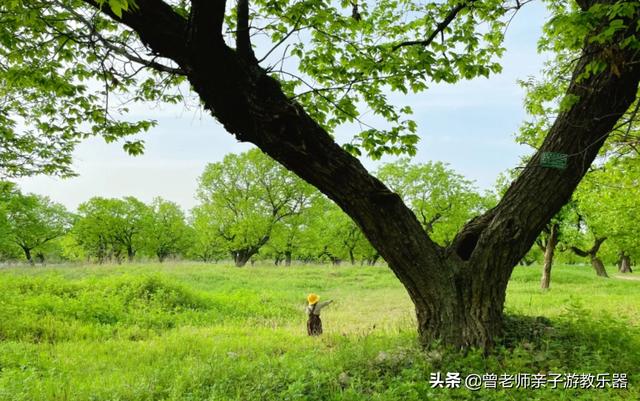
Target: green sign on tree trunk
554, 160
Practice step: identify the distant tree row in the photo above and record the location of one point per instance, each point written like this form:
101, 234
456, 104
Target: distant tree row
252, 209
249, 209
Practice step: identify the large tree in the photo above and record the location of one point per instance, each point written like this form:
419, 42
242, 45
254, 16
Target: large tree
346, 58
246, 196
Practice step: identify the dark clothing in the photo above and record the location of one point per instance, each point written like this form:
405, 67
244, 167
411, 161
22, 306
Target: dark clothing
314, 325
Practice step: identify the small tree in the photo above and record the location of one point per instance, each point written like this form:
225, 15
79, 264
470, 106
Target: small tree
206, 243
33, 221
166, 232
111, 228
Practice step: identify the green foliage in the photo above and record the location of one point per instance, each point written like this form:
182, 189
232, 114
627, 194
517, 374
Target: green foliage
607, 202
564, 35
201, 332
110, 229
343, 59
166, 233
350, 55
65, 76
29, 223
246, 196
333, 235
441, 199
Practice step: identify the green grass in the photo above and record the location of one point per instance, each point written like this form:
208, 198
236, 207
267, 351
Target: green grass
197, 332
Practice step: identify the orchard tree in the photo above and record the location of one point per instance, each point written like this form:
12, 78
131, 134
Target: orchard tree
285, 239
246, 196
338, 237
556, 232
441, 199
112, 228
608, 203
326, 62
592, 254
165, 232
33, 221
206, 243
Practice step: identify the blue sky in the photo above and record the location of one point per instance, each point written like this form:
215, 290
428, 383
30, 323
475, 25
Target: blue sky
469, 125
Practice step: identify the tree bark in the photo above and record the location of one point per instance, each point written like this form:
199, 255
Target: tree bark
287, 258
27, 254
598, 266
131, 253
242, 256
625, 263
458, 291
549, 250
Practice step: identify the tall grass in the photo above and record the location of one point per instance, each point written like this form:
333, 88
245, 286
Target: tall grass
198, 332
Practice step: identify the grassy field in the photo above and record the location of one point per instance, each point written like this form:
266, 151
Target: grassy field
199, 332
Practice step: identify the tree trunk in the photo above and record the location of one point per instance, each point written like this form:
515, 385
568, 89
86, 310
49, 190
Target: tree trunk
549, 250
41, 258
287, 258
598, 266
352, 258
375, 259
625, 263
27, 254
241, 257
463, 309
458, 291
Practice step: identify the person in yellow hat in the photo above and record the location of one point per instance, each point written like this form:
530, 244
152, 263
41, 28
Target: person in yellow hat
314, 324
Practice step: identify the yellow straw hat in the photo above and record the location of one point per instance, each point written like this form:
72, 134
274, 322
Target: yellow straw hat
313, 299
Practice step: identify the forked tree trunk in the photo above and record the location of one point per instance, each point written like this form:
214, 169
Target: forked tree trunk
549, 250
242, 256
458, 291
592, 253
464, 311
27, 254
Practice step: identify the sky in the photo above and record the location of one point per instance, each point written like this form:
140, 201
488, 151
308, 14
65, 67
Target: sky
470, 125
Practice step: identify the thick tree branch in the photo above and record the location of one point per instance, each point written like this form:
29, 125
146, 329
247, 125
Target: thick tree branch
596, 246
591, 252
243, 36
158, 26
539, 193
579, 252
205, 24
